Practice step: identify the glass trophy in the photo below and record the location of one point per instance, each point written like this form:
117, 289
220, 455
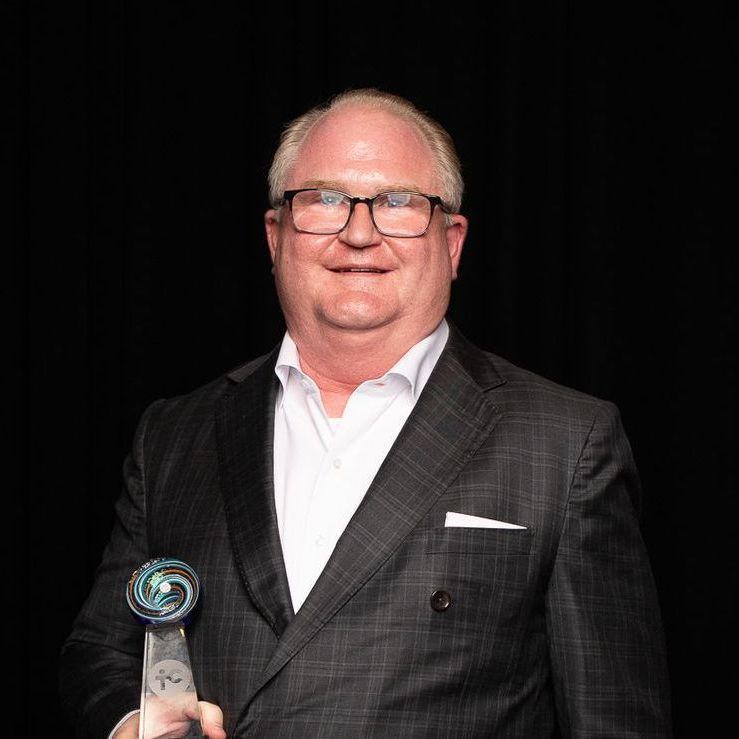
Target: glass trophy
162, 594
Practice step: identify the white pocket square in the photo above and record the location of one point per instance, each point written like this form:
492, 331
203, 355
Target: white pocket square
465, 521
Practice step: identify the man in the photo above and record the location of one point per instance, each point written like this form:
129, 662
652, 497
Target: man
397, 534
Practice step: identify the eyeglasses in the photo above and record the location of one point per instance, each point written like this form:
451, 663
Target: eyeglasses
398, 214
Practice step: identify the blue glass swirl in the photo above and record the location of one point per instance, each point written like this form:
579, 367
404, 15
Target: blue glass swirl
163, 591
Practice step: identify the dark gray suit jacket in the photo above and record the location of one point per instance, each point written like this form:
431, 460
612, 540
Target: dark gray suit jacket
552, 628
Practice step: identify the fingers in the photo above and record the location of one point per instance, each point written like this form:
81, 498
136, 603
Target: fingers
212, 718
210, 714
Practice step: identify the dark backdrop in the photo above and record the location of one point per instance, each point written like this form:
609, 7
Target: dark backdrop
137, 139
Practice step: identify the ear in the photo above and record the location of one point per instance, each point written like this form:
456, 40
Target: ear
272, 229
456, 233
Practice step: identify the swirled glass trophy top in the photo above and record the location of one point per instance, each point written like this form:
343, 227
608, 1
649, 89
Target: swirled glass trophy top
162, 594
163, 591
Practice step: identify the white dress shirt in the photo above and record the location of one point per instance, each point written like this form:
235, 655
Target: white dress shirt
323, 466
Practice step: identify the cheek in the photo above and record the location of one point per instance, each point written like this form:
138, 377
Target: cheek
288, 264
431, 270
297, 271
301, 251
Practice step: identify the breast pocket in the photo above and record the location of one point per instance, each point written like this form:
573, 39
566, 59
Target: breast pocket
486, 542
484, 563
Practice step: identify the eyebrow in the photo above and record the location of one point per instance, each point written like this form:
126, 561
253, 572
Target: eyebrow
334, 185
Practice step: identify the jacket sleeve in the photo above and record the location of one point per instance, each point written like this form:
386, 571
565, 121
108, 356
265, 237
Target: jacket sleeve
101, 660
605, 635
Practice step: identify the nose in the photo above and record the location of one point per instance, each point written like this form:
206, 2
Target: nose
360, 232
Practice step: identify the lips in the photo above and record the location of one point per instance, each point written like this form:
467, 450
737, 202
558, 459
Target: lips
359, 270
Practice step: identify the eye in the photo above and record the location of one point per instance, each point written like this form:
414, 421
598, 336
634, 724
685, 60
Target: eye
397, 199
330, 198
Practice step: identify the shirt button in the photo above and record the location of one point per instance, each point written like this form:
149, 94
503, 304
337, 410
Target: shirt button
337, 462
320, 541
440, 600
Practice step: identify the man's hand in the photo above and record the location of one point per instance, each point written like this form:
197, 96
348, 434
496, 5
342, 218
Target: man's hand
211, 717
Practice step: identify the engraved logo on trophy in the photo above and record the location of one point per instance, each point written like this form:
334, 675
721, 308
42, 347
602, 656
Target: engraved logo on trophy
162, 594
169, 677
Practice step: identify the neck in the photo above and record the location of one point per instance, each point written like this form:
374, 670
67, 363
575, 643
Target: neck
339, 361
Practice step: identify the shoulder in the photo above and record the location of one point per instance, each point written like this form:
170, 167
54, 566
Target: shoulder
200, 403
519, 391
558, 426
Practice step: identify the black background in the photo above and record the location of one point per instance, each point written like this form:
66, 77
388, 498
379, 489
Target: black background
136, 141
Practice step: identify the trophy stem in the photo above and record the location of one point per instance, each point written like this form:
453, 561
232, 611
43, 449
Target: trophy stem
169, 701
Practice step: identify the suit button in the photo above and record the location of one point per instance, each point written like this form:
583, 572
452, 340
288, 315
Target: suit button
440, 600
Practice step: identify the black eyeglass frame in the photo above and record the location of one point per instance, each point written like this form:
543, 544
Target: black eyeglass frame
435, 200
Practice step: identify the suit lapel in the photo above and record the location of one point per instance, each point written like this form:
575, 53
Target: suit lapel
450, 421
244, 427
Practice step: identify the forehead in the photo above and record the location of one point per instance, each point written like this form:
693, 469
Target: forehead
365, 150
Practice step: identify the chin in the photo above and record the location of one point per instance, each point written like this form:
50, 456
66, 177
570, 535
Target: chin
357, 323
357, 314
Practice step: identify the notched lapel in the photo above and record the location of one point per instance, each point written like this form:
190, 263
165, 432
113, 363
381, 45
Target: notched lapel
244, 427
450, 421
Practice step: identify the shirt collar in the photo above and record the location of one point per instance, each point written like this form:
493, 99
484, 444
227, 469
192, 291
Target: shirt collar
415, 366
287, 359
419, 361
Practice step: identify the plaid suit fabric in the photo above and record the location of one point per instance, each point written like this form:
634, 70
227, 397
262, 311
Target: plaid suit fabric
554, 625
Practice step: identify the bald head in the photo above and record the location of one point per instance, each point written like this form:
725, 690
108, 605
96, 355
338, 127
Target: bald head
439, 143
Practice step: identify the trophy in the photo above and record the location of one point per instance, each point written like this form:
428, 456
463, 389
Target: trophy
162, 594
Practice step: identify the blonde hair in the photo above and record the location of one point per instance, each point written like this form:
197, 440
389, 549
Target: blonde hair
439, 141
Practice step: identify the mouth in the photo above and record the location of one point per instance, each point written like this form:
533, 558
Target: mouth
360, 270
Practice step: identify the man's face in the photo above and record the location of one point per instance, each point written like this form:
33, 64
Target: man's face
359, 280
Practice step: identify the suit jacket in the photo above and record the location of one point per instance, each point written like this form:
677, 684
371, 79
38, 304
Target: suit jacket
552, 628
